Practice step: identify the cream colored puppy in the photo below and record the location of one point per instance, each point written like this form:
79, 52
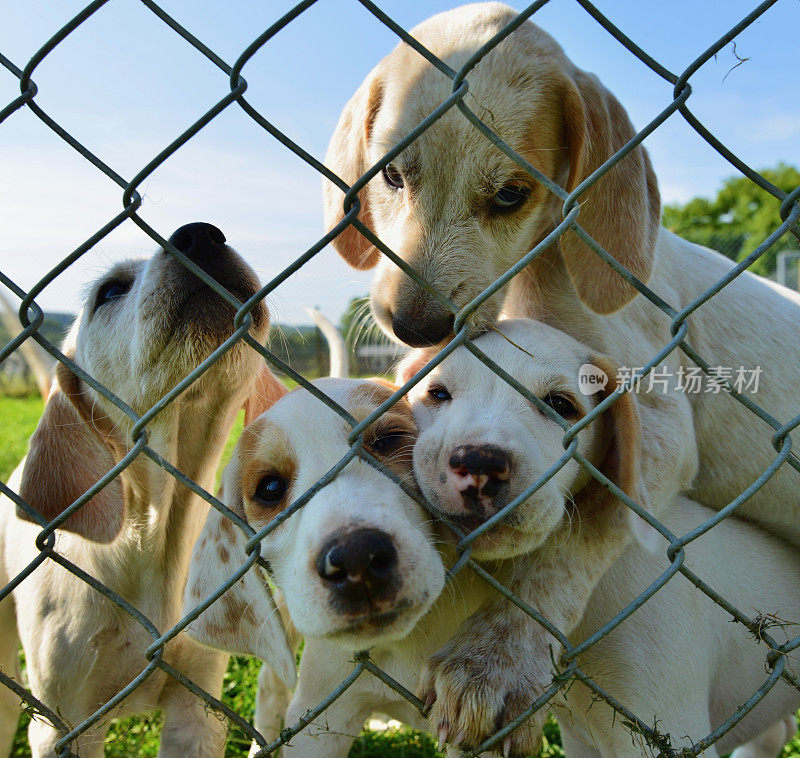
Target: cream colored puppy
461, 213
481, 446
357, 564
144, 326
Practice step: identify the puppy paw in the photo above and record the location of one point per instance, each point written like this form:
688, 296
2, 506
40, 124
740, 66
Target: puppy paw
483, 678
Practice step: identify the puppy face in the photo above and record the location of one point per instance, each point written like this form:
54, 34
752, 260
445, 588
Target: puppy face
144, 326
147, 323
482, 443
355, 563
456, 208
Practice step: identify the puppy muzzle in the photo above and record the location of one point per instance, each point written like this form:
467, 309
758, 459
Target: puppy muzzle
360, 570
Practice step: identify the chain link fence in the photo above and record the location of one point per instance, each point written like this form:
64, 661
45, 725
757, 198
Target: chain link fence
31, 317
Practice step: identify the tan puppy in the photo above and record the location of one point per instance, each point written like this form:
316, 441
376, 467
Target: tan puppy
145, 325
461, 213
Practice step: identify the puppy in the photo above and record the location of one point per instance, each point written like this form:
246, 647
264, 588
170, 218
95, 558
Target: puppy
144, 326
357, 564
482, 445
461, 213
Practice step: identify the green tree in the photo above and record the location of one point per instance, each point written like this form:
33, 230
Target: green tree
738, 219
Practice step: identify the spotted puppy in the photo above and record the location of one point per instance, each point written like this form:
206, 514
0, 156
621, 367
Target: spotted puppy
357, 564
482, 445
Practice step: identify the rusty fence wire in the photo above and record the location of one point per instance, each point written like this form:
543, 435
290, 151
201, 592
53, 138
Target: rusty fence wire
31, 317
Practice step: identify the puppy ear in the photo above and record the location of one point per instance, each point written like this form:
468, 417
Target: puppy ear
623, 460
412, 363
267, 390
244, 619
69, 452
347, 158
621, 210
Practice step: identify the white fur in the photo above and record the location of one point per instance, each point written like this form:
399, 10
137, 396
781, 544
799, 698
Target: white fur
678, 661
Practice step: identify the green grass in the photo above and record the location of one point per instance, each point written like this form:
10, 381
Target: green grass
18, 417
138, 736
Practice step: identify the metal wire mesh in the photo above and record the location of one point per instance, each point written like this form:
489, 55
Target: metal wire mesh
31, 317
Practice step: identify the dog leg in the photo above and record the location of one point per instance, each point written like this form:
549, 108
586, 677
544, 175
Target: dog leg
9, 647
43, 737
768, 744
332, 733
191, 730
500, 660
272, 701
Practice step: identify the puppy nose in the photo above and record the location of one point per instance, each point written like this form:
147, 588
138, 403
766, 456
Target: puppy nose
479, 471
424, 331
358, 565
202, 243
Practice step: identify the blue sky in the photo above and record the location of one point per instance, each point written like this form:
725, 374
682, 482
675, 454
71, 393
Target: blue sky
126, 85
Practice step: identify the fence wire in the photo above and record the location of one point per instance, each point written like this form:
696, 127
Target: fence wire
31, 317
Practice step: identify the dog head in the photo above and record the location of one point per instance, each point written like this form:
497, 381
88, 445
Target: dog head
143, 328
456, 208
356, 563
482, 444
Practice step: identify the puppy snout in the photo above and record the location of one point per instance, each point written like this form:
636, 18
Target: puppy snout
200, 242
429, 327
478, 472
359, 567
205, 245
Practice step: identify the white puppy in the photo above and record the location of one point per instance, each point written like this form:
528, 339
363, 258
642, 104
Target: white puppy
482, 444
678, 663
357, 564
390, 603
145, 325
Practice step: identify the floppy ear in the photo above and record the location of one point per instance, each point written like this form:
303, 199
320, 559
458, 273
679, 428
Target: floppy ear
621, 210
244, 619
267, 390
412, 363
347, 158
623, 460
70, 451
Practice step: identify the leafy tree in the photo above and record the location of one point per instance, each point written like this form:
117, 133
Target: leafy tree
738, 219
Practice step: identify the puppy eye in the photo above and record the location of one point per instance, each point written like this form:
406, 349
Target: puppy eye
389, 440
562, 405
270, 489
392, 176
439, 394
110, 291
510, 197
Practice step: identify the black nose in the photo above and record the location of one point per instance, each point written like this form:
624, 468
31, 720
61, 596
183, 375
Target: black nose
358, 566
479, 470
424, 331
200, 242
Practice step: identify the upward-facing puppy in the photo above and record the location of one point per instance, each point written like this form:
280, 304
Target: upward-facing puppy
144, 326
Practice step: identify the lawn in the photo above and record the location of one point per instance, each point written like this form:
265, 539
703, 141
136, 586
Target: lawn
139, 736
